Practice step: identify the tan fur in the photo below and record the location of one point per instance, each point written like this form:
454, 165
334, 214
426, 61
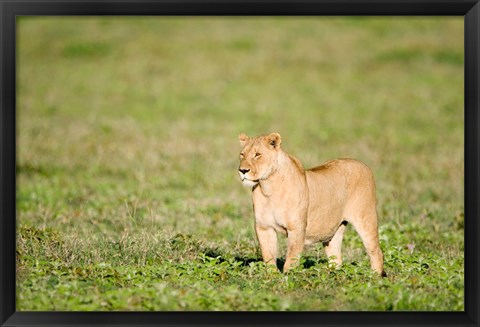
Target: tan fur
309, 206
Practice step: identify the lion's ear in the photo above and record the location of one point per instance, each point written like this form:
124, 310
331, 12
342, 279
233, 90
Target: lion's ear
243, 139
274, 140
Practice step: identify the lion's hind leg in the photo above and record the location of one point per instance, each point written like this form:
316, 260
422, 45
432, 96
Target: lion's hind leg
367, 228
333, 248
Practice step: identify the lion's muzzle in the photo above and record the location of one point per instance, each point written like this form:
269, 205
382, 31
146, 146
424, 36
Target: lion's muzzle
247, 182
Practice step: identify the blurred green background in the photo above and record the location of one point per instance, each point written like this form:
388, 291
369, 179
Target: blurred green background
127, 190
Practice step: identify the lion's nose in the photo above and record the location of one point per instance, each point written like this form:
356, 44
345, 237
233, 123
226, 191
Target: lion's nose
244, 171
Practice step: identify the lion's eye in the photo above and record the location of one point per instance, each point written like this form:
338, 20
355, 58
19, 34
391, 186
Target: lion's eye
258, 155
241, 155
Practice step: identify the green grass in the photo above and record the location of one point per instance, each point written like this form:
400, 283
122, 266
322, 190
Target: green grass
127, 191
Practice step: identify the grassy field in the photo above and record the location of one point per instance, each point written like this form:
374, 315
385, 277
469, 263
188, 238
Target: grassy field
127, 190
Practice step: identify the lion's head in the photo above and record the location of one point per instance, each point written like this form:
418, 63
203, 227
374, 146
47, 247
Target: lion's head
258, 158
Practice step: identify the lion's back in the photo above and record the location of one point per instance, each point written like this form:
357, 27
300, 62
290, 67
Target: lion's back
346, 176
344, 166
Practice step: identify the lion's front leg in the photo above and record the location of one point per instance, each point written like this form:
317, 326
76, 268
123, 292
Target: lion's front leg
296, 241
267, 237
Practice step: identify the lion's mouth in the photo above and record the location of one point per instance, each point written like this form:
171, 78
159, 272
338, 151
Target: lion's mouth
249, 182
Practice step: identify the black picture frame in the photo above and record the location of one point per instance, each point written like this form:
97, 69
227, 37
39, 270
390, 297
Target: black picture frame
10, 9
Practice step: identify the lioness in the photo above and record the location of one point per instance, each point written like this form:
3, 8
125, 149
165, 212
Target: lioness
308, 206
